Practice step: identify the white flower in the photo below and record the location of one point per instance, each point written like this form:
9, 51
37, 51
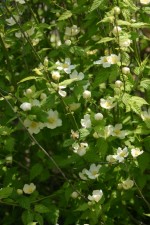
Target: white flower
121, 154
74, 134
53, 120
113, 59
125, 42
93, 172
146, 115
86, 94
103, 60
145, 2
111, 158
20, 1
72, 31
26, 106
127, 184
86, 122
96, 195
108, 131
55, 75
135, 152
29, 188
107, 103
118, 83
82, 175
126, 70
11, 21
66, 66
80, 149
117, 132
116, 30
98, 116
78, 76
61, 92
33, 127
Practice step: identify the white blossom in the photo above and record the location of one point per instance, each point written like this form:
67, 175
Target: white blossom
108, 103
66, 66
117, 132
121, 154
11, 21
116, 30
93, 172
29, 188
80, 148
96, 195
78, 76
72, 31
20, 1
26, 106
53, 120
135, 152
127, 184
61, 92
82, 174
145, 2
111, 158
146, 115
86, 122
33, 126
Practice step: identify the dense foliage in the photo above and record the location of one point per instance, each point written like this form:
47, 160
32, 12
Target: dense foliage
75, 115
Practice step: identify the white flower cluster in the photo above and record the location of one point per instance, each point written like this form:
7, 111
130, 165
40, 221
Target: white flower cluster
107, 61
119, 156
27, 189
92, 173
33, 126
114, 131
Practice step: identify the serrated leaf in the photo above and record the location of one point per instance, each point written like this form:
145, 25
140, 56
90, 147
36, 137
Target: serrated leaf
82, 207
29, 78
41, 208
27, 217
145, 83
96, 4
39, 218
36, 170
84, 133
5, 192
24, 202
67, 14
67, 82
122, 22
139, 25
106, 39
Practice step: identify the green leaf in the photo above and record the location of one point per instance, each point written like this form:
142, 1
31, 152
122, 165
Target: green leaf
24, 202
67, 82
29, 78
5, 192
84, 133
68, 142
105, 39
67, 14
39, 218
27, 217
82, 207
41, 208
96, 4
139, 25
36, 170
145, 83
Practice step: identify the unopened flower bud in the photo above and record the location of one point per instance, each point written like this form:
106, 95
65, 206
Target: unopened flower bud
117, 10
126, 70
86, 94
98, 116
19, 191
68, 42
118, 83
55, 75
74, 194
116, 30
